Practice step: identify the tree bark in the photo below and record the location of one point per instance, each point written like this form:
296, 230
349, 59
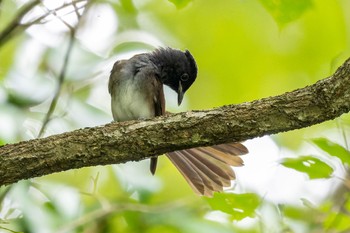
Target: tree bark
136, 140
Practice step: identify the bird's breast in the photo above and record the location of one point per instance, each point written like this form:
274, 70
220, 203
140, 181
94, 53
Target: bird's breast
130, 101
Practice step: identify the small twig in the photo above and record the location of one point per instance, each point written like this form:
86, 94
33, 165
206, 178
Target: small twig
15, 25
59, 85
54, 12
39, 19
61, 75
7, 229
112, 209
76, 9
11, 27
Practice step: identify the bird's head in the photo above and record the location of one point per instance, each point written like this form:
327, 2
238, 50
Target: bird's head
177, 69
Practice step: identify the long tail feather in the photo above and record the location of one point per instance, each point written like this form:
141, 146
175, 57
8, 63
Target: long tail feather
212, 182
207, 169
192, 178
208, 184
220, 169
153, 165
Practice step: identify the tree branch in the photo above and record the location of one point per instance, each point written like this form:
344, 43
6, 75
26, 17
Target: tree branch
16, 26
13, 25
137, 140
62, 74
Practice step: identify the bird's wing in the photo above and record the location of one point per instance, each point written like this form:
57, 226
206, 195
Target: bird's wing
159, 99
115, 74
159, 110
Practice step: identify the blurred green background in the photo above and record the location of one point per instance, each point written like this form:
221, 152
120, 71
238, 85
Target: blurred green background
245, 50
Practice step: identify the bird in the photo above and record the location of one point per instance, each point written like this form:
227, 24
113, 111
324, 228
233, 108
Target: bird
136, 89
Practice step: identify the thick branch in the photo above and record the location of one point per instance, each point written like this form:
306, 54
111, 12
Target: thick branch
137, 140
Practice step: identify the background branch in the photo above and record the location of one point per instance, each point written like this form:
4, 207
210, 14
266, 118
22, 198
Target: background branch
63, 71
137, 140
16, 26
8, 31
61, 76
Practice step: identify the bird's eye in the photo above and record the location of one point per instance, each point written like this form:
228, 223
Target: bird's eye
184, 77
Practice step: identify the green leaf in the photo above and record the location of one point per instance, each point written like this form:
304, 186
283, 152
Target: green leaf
297, 213
333, 149
309, 165
239, 206
180, 3
337, 221
307, 203
7, 55
22, 101
286, 11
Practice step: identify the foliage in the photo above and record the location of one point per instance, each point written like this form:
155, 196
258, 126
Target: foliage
239, 206
333, 149
310, 165
286, 11
245, 50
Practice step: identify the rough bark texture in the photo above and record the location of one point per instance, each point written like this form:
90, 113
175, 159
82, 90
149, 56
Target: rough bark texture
136, 140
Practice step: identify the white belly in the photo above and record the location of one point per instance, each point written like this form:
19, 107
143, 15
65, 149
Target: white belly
129, 103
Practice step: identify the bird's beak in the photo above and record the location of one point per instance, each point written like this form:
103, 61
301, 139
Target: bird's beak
180, 94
